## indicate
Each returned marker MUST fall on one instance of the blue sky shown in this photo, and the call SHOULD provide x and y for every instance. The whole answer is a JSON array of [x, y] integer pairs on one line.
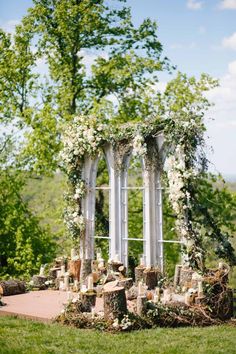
[[197, 36]]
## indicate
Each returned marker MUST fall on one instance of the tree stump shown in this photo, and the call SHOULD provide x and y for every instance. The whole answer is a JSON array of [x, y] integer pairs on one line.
[[74, 269], [88, 300], [127, 283], [115, 305], [141, 305], [53, 272], [114, 266], [12, 287], [86, 269], [39, 281], [150, 278], [139, 273]]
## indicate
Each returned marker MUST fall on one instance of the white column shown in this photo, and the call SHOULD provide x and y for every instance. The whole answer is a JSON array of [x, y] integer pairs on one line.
[[89, 174]]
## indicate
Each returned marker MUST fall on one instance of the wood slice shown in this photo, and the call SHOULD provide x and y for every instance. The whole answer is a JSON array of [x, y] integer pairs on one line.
[[150, 278], [86, 269], [74, 269], [12, 287], [127, 283], [141, 305], [139, 274], [115, 305]]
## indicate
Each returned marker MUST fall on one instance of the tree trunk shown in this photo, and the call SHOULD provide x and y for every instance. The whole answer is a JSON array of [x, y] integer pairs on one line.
[[139, 274], [12, 287], [115, 305], [86, 269], [74, 269], [150, 278]]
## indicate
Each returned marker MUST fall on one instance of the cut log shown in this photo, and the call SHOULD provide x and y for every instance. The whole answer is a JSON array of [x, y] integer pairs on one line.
[[127, 283], [74, 269], [141, 305], [39, 282], [86, 269], [114, 266], [88, 300], [139, 273], [12, 287], [122, 270], [150, 278], [115, 305]]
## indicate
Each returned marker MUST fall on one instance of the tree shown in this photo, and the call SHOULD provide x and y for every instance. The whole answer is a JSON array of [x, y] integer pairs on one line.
[[24, 244]]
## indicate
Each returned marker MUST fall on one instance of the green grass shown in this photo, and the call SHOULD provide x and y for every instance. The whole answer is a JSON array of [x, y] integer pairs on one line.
[[22, 336]]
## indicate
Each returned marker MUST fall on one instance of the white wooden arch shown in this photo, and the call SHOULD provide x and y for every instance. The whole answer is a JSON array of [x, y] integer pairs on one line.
[[118, 205]]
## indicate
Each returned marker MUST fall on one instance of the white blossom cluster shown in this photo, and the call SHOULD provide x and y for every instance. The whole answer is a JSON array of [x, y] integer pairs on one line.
[[139, 146]]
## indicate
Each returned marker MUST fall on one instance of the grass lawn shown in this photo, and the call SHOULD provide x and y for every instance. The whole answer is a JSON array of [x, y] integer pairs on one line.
[[25, 336]]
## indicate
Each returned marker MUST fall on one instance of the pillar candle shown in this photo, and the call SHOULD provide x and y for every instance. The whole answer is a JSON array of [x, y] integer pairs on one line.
[[63, 269], [90, 283], [93, 312], [142, 261], [41, 272], [66, 282], [69, 295], [200, 289], [140, 289], [61, 285], [116, 259], [158, 293], [83, 288], [76, 284]]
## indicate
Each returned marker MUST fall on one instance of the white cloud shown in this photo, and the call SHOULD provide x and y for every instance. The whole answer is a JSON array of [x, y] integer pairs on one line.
[[202, 30], [222, 130], [230, 42], [194, 4], [228, 5], [10, 25]]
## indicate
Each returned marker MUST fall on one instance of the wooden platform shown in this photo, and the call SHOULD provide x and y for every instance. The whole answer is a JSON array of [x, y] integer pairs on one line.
[[37, 305]]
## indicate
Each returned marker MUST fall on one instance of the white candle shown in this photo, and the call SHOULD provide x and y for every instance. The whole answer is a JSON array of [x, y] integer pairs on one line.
[[155, 298], [58, 273], [83, 288], [69, 295], [93, 312], [41, 272], [63, 269], [140, 289], [221, 265], [142, 261], [187, 298], [76, 284], [90, 283], [101, 263], [158, 293], [66, 282], [116, 259], [61, 285], [200, 289]]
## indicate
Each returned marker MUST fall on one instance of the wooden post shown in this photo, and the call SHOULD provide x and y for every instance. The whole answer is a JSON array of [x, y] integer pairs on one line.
[[115, 305], [141, 305], [74, 269], [150, 278], [12, 287]]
